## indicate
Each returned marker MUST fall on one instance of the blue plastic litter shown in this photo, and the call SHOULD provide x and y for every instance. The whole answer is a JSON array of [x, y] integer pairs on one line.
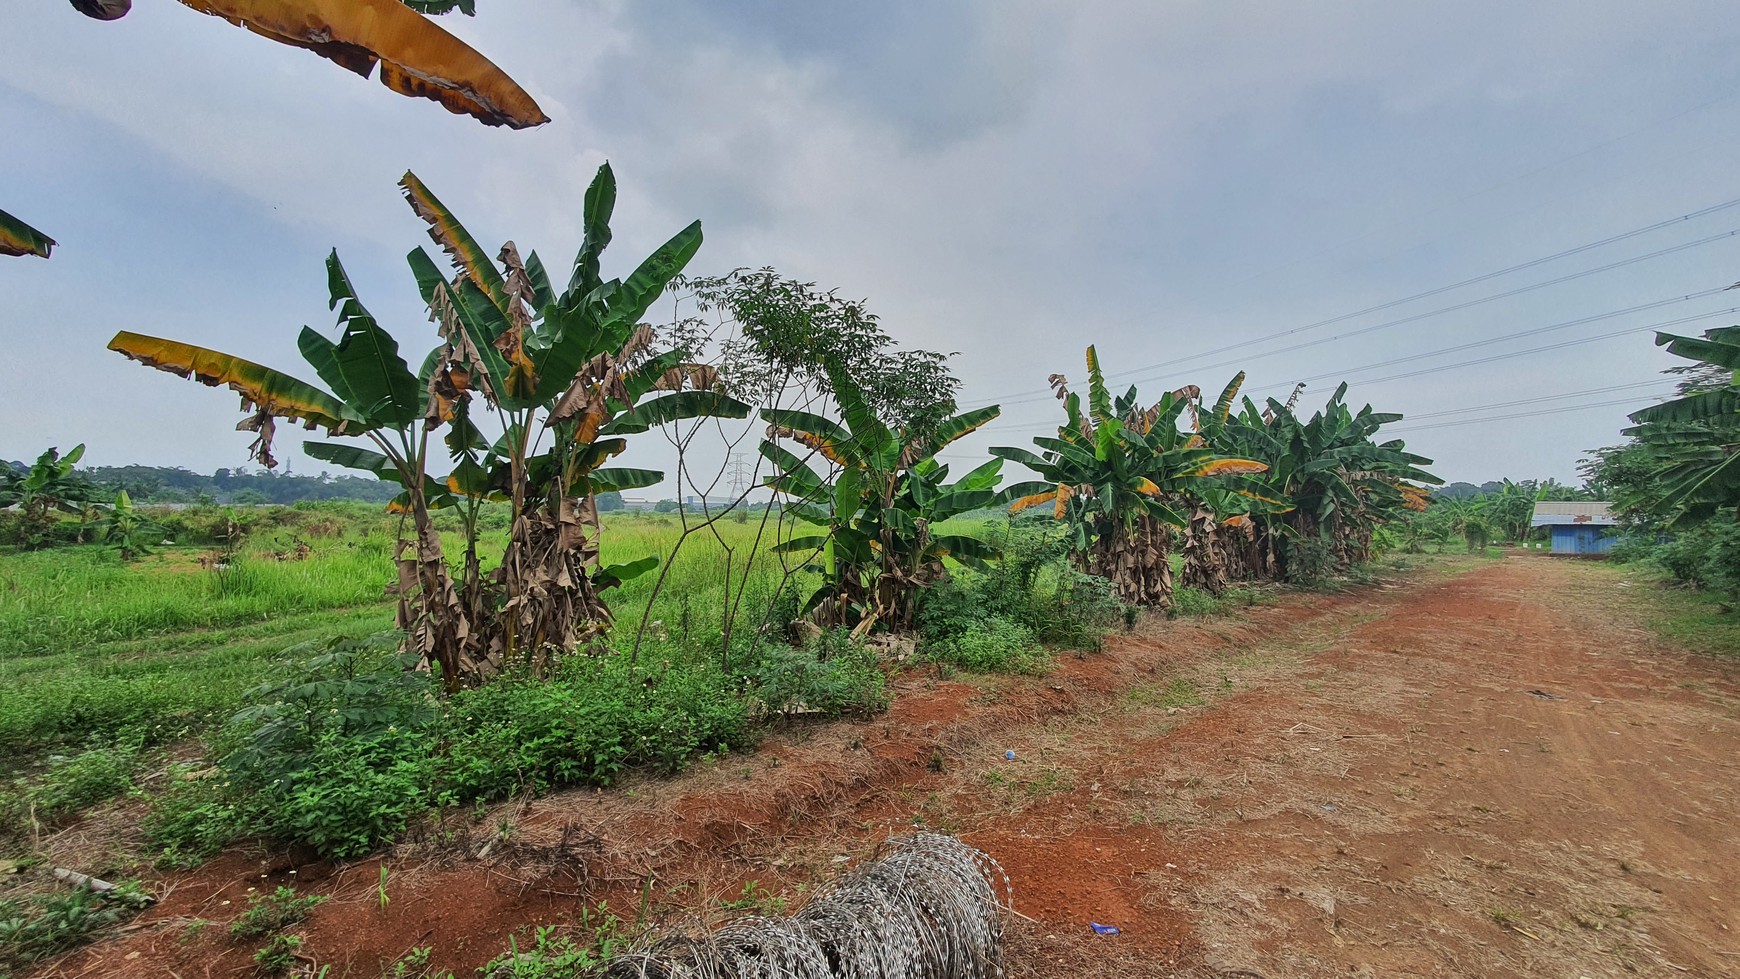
[[1010, 754], [1100, 929], [1328, 808]]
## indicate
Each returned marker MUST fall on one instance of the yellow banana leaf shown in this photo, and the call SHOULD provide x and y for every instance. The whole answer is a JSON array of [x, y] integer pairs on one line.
[[1061, 510], [468, 256], [271, 392], [18, 238], [1147, 487], [1034, 500], [416, 57], [822, 445], [1229, 467]]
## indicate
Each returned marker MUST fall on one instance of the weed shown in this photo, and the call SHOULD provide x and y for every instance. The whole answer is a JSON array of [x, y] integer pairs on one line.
[[1048, 782], [278, 956], [1190, 601], [830, 675], [757, 899], [34, 930], [556, 955], [268, 914], [415, 965]]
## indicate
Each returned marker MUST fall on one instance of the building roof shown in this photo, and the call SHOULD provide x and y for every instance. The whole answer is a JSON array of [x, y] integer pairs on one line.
[[1588, 514]]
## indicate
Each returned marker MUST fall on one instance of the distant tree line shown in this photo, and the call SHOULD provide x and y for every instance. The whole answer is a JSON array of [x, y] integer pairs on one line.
[[174, 484]]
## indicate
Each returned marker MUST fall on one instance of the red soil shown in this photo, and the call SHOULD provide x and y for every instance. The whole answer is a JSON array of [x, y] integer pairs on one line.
[[1334, 785]]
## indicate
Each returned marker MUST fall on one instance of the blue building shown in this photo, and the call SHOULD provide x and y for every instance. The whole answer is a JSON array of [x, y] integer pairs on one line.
[[1578, 528]]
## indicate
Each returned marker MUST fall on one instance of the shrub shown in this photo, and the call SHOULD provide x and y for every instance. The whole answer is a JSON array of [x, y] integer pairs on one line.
[[86, 779], [193, 819], [69, 786], [1684, 556], [594, 719], [990, 646], [356, 794], [830, 675], [1034, 587], [1310, 560]]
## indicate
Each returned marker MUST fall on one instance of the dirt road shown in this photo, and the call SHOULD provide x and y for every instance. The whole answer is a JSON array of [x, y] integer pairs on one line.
[[1476, 769]]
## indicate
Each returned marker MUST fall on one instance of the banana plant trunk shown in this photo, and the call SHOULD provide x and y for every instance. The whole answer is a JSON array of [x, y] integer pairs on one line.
[[552, 604], [429, 609], [1137, 560], [1239, 555], [1203, 564]]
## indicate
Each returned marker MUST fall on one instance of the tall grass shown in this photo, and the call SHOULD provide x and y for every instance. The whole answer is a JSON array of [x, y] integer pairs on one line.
[[91, 646], [74, 597]]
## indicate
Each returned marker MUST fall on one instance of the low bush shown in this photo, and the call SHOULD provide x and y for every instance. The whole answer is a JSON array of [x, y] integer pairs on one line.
[[593, 720], [831, 675], [1310, 560], [1032, 598], [70, 784], [990, 646]]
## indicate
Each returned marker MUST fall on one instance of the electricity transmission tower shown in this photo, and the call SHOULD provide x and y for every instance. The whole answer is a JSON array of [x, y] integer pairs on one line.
[[740, 473]]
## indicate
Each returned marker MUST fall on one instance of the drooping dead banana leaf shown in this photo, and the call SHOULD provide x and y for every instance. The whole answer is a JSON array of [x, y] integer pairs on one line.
[[269, 392], [416, 56], [18, 238]]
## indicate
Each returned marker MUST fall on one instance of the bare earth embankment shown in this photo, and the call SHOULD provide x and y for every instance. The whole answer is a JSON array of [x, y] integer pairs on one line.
[[1474, 769]]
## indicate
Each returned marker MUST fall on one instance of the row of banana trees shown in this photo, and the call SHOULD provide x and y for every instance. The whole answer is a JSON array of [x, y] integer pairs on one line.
[[530, 391], [1258, 494], [1252, 494]]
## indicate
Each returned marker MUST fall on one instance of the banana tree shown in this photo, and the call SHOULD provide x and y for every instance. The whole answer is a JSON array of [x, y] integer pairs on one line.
[[416, 57], [1693, 442], [1122, 476], [48, 487], [878, 507], [1339, 482], [18, 238], [568, 378]]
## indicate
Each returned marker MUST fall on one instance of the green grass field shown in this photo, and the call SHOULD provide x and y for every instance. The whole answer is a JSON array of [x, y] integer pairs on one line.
[[91, 646]]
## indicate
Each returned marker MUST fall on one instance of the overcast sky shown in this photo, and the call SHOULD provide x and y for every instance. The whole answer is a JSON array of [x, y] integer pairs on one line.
[[1003, 179]]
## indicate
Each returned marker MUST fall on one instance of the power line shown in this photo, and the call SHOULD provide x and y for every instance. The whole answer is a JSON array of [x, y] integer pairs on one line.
[[1038, 394], [1551, 346], [1655, 383], [1457, 307], [1466, 363], [1520, 334], [1403, 430]]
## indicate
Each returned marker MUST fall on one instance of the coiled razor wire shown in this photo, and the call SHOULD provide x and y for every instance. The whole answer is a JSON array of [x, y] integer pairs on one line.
[[926, 908]]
